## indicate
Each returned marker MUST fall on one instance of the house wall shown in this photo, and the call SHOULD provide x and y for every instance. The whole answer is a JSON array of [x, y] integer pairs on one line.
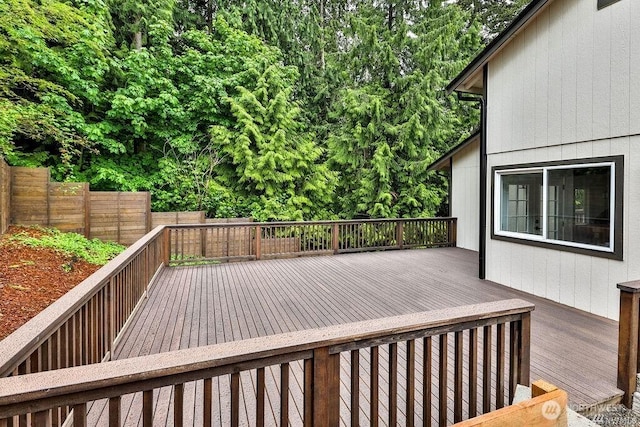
[[465, 195], [568, 87]]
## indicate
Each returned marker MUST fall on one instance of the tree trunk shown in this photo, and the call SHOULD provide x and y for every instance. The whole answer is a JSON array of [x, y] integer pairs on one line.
[[322, 43], [209, 17], [137, 40]]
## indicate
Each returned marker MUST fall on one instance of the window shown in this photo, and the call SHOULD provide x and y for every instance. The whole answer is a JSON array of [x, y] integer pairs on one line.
[[571, 206]]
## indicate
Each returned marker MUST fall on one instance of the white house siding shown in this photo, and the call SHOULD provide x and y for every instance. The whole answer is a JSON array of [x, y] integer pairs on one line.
[[568, 87], [465, 199]]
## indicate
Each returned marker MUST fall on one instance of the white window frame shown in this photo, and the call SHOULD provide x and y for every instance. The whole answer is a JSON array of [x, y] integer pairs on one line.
[[497, 200]]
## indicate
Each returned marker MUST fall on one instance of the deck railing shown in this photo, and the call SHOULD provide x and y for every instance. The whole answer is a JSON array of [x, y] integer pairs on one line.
[[397, 369], [234, 241], [629, 340], [84, 325]]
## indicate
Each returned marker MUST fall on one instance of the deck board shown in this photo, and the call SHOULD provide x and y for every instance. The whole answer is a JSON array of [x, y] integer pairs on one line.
[[196, 306]]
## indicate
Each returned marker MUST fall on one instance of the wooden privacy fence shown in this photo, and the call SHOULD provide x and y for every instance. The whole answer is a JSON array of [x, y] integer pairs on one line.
[[28, 197], [5, 195], [237, 241], [84, 325], [353, 351]]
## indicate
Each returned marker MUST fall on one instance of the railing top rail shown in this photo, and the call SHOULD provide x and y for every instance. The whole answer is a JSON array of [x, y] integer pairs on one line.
[[39, 328], [631, 287], [303, 223], [31, 389]]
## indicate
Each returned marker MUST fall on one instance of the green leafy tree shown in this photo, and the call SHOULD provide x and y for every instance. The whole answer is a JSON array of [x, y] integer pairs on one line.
[[268, 157], [53, 68]]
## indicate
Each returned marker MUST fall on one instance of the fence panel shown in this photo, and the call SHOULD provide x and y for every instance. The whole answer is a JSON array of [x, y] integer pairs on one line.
[[5, 196], [135, 216], [68, 206], [29, 196], [118, 216]]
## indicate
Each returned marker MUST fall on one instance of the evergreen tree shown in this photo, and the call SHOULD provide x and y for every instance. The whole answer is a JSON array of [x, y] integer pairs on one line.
[[268, 157], [396, 120], [495, 15]]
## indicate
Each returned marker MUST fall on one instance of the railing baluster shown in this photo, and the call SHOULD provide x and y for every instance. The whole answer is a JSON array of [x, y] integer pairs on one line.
[[147, 408], [42, 418], [393, 384], [514, 340], [442, 380], [207, 402], [114, 411], [260, 397], [80, 415], [426, 382], [473, 372], [524, 350], [308, 392], [500, 366], [486, 369], [178, 405], [411, 382], [457, 383], [355, 387], [284, 394], [375, 356], [235, 399]]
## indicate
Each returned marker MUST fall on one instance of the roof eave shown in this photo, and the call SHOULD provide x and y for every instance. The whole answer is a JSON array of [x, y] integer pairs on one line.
[[442, 161], [466, 79]]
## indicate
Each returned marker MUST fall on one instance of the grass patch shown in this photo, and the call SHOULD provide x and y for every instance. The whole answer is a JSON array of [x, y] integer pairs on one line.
[[94, 251]]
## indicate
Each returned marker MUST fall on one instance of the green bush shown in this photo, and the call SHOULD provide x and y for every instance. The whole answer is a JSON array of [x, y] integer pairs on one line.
[[93, 251]]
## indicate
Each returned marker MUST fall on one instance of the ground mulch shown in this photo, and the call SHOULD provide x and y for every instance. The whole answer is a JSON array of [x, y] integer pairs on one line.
[[32, 278]]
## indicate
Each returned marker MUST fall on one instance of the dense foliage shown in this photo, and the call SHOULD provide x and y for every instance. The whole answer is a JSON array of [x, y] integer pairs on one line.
[[291, 109], [76, 245]]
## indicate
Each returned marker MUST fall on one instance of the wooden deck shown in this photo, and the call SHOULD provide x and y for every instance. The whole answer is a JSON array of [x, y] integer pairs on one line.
[[196, 306]]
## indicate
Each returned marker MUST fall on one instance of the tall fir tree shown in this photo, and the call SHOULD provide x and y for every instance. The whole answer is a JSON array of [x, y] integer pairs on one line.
[[397, 119]]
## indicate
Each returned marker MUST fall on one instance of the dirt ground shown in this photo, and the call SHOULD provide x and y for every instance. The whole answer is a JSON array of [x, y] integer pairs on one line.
[[33, 278]]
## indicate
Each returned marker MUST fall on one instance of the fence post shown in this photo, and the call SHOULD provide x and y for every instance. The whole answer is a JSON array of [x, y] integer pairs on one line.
[[400, 234], [258, 242], [166, 246], [335, 238], [326, 388], [628, 362], [524, 349], [453, 232]]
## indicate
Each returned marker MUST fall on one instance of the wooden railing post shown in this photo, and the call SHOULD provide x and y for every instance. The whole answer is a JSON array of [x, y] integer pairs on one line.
[[166, 246], [628, 328], [326, 388], [258, 241], [453, 232], [335, 238], [400, 233], [524, 349]]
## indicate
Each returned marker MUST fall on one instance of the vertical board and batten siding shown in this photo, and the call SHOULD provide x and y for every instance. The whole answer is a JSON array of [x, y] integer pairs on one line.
[[465, 200], [572, 75], [568, 87], [29, 196], [5, 196]]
